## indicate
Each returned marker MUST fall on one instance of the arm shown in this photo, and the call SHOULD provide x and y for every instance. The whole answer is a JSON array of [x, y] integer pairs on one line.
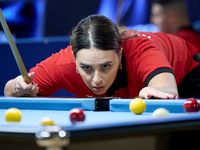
[[17, 87], [161, 86]]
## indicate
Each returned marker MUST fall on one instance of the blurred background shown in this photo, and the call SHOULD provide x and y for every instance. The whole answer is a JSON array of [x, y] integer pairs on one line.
[[42, 27]]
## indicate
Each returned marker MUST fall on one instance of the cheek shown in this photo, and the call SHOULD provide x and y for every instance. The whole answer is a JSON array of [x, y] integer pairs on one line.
[[165, 26], [112, 75], [159, 20], [160, 23], [156, 20], [87, 79]]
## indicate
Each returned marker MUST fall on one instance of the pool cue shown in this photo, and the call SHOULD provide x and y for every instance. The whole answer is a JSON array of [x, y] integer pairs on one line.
[[14, 49]]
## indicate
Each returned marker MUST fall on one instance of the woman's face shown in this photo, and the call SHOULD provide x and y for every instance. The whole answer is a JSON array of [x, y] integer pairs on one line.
[[98, 68]]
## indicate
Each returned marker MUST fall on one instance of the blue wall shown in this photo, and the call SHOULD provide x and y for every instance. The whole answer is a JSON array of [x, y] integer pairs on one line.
[[32, 52]]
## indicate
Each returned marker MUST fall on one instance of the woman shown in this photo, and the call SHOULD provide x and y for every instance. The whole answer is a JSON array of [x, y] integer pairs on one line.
[[106, 61]]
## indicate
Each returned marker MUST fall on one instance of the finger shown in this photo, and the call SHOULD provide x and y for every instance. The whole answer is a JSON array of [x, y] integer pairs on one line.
[[163, 95], [149, 96], [22, 88], [173, 96], [31, 75], [177, 97], [35, 89], [153, 93], [143, 93], [149, 92], [31, 88], [22, 84]]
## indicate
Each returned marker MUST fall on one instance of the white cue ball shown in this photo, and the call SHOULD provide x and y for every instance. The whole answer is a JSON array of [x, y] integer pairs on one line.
[[160, 112]]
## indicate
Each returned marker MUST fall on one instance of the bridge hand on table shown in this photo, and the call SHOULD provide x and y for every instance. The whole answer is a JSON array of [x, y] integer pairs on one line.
[[150, 92]]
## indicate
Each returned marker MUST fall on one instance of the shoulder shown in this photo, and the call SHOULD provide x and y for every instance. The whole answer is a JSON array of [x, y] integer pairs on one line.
[[63, 56], [145, 37], [186, 31], [189, 35], [143, 42], [57, 61]]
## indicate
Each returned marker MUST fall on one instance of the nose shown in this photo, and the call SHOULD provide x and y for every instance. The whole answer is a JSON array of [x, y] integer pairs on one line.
[[97, 78]]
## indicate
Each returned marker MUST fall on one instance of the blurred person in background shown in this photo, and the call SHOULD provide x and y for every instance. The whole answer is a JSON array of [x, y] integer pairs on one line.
[[171, 16]]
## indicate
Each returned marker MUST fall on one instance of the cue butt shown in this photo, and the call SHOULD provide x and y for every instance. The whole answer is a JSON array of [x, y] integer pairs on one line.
[[14, 49]]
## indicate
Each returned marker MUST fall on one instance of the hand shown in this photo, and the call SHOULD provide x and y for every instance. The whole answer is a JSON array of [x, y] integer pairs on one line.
[[24, 89], [149, 92]]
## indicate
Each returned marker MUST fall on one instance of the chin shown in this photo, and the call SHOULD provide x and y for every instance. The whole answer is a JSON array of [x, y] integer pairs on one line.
[[99, 93]]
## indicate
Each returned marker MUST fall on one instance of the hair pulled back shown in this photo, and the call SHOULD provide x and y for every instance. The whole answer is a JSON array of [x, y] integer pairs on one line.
[[96, 31]]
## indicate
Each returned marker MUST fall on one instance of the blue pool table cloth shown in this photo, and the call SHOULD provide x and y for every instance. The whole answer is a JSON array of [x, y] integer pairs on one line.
[[33, 109]]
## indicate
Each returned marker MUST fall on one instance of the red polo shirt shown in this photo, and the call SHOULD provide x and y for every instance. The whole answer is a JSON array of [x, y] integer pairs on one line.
[[143, 57], [189, 35]]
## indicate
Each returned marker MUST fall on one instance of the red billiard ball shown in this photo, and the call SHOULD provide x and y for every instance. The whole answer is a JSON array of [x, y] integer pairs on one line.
[[77, 115], [191, 105]]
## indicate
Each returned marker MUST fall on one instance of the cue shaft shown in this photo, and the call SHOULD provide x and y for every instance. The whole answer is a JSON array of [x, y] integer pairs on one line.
[[14, 49]]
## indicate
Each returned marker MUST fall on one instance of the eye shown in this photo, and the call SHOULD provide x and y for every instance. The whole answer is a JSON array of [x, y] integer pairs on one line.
[[86, 68], [106, 67]]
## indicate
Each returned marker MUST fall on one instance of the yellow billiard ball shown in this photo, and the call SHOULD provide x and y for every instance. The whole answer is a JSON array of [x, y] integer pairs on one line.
[[160, 112], [46, 121], [137, 106], [13, 115]]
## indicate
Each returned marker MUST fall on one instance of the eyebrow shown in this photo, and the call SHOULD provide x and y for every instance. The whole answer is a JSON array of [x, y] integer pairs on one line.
[[106, 63]]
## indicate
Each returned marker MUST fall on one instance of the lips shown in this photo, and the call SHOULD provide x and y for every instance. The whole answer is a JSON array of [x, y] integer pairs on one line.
[[98, 88]]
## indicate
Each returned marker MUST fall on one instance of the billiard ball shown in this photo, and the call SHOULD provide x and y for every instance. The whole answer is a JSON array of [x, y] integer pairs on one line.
[[47, 121], [13, 115], [137, 106], [77, 115], [191, 105], [160, 112]]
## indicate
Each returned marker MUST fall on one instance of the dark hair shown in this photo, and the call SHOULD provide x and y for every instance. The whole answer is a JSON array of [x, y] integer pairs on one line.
[[96, 31]]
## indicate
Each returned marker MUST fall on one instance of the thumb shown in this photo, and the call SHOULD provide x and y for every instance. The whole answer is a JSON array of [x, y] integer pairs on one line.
[[31, 75]]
